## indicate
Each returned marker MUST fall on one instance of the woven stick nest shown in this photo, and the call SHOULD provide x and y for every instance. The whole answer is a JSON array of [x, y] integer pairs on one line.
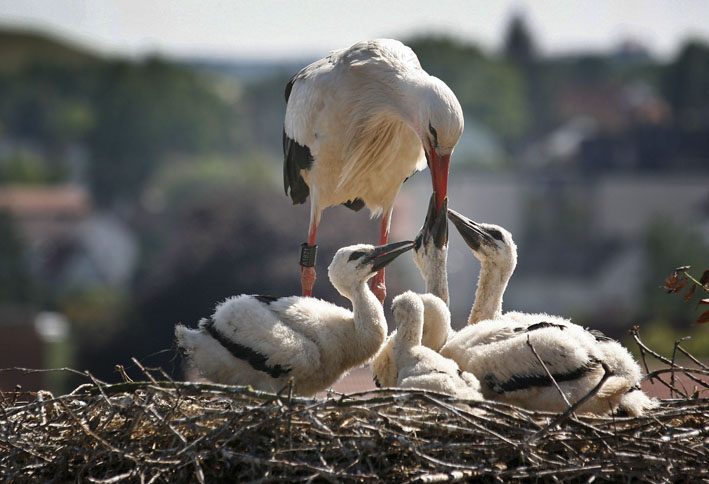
[[160, 430]]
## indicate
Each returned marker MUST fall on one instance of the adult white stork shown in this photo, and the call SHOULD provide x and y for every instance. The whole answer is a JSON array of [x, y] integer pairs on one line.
[[264, 341], [357, 124]]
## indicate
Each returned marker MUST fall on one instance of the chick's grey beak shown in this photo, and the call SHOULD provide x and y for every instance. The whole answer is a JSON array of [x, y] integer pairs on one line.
[[435, 226], [469, 230], [384, 254]]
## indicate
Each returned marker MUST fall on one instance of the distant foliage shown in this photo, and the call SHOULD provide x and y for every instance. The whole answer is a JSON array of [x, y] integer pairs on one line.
[[670, 243], [681, 278], [130, 118], [144, 114], [519, 46], [686, 84]]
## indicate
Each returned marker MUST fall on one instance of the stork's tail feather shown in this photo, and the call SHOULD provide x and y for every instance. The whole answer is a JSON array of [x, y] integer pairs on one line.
[[185, 338], [635, 402]]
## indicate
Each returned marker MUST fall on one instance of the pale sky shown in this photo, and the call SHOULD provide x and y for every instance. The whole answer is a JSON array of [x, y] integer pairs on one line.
[[290, 29]]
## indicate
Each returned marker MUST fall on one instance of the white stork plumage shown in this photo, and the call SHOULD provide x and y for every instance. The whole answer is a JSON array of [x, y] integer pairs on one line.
[[264, 341], [493, 246], [419, 366], [357, 124], [495, 347]]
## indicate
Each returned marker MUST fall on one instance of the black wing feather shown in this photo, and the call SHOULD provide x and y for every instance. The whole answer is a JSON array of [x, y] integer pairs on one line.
[[266, 299], [289, 87], [254, 358], [526, 381], [600, 336], [296, 157], [357, 204]]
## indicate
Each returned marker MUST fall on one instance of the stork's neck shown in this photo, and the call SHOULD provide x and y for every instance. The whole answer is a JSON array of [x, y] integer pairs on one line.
[[408, 335], [431, 263], [409, 97], [488, 296], [437, 324], [369, 321], [437, 281]]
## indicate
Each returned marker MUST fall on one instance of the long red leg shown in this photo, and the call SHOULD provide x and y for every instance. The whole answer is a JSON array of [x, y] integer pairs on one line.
[[307, 274], [308, 250], [377, 283]]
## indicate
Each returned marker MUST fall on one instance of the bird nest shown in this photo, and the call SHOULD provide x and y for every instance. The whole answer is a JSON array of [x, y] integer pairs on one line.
[[161, 430]]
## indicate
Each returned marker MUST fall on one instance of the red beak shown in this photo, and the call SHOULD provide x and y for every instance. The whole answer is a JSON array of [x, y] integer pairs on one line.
[[439, 166]]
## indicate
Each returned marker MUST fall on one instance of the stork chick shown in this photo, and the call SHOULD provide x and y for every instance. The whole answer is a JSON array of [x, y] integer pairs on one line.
[[357, 124], [497, 348], [430, 254], [493, 246], [421, 367], [264, 341]]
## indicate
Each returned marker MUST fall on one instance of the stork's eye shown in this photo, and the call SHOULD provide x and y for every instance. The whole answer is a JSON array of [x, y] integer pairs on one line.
[[434, 133], [356, 255], [495, 234]]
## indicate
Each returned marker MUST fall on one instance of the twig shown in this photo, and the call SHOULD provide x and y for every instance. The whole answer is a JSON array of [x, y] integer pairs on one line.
[[29, 371], [688, 355], [114, 479], [96, 437], [456, 475], [556, 385], [607, 374], [122, 371], [686, 371], [634, 333], [672, 364], [142, 368]]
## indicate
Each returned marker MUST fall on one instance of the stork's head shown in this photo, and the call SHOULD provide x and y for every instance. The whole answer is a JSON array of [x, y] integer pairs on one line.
[[431, 249], [490, 243], [434, 231], [441, 119], [355, 264], [408, 311]]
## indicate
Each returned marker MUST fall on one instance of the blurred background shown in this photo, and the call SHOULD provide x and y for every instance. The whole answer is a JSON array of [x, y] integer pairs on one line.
[[141, 164]]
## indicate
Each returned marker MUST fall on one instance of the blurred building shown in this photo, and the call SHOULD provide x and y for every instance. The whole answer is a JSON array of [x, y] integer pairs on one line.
[[68, 243], [20, 347]]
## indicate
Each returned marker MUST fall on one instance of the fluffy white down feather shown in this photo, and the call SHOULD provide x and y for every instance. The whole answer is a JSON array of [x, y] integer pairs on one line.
[[437, 325], [421, 367], [497, 352], [311, 341], [495, 348]]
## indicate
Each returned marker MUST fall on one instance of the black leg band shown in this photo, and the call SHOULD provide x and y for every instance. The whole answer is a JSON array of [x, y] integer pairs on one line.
[[308, 254]]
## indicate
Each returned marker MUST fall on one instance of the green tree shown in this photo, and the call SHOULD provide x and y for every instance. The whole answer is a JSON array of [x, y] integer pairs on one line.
[[144, 114], [686, 83], [518, 45]]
